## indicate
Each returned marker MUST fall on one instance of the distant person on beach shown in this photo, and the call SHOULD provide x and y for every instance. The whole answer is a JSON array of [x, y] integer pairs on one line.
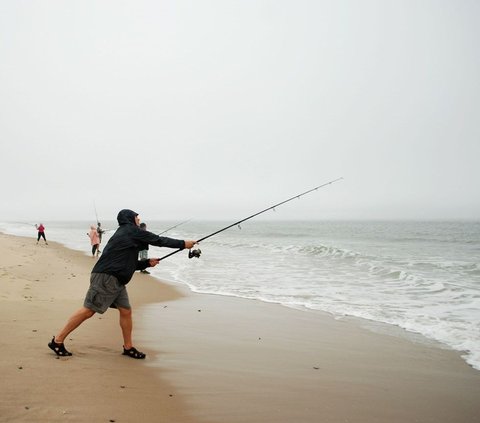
[[143, 254], [109, 278], [94, 240], [41, 233], [100, 232]]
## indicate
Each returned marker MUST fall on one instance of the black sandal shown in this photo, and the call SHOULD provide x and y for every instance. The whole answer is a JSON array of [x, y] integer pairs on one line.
[[59, 349], [134, 353]]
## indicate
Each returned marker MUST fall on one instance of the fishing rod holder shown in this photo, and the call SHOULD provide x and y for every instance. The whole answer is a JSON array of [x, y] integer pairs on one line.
[[194, 253]]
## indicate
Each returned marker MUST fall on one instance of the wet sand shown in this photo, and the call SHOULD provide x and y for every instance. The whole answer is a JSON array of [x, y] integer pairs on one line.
[[209, 358], [236, 361]]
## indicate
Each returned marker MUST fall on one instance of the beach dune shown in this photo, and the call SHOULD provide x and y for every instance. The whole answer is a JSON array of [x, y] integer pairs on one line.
[[209, 358]]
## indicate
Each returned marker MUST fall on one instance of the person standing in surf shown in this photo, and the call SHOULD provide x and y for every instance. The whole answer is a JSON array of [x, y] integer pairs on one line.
[[109, 278], [41, 233], [143, 254], [94, 240], [100, 232]]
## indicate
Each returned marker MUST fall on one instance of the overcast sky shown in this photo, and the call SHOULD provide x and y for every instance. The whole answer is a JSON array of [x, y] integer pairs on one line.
[[215, 109]]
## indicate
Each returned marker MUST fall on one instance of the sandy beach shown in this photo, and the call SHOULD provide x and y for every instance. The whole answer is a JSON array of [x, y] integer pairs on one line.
[[40, 287], [209, 358]]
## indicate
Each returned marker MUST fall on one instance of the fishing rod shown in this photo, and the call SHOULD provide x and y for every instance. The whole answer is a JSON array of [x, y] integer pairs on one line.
[[25, 223], [196, 253], [95, 208], [172, 227], [98, 222]]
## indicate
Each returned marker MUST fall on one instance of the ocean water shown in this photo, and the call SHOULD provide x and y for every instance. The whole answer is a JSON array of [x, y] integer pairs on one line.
[[423, 277]]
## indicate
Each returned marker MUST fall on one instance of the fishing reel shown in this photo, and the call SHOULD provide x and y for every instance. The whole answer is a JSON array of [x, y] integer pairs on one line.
[[194, 253]]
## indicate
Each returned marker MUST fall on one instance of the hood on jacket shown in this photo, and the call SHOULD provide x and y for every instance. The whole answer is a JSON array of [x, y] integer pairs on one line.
[[126, 217]]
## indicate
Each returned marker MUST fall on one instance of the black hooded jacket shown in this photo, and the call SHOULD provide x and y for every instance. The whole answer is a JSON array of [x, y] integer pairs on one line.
[[120, 256]]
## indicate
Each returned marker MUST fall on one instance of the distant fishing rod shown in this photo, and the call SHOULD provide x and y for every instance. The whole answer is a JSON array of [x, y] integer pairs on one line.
[[172, 227], [98, 222], [196, 253], [95, 208]]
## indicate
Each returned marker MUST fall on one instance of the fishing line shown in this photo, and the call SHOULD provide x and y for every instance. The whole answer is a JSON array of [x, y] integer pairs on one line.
[[197, 252], [172, 227]]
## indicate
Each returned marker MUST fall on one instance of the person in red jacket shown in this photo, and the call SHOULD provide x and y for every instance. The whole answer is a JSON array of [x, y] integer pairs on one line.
[[41, 233], [110, 275]]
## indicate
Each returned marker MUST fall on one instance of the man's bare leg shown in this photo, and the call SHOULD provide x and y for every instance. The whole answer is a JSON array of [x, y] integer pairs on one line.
[[127, 325], [74, 322]]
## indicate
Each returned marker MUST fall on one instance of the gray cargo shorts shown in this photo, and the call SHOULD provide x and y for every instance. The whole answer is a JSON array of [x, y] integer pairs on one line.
[[105, 291]]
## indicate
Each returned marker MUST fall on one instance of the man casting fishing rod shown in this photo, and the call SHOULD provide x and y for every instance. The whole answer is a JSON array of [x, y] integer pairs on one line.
[[118, 264], [111, 274]]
